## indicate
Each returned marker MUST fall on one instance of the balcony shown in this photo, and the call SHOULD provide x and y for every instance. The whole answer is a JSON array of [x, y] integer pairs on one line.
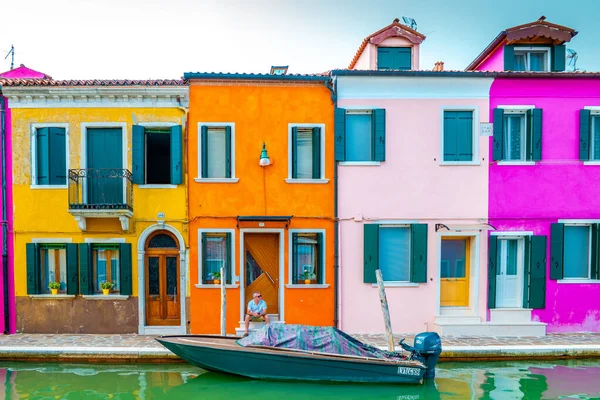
[[101, 193]]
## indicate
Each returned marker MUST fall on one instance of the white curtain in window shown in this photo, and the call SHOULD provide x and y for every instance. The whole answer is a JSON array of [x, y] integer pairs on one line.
[[101, 268], [305, 150], [114, 270], [537, 61], [520, 62], [216, 153], [394, 254]]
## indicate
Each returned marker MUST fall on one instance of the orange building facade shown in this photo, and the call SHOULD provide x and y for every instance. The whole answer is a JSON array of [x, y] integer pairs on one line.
[[261, 198]]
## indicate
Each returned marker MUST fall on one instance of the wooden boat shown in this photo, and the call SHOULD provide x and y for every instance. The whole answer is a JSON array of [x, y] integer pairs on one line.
[[223, 354]]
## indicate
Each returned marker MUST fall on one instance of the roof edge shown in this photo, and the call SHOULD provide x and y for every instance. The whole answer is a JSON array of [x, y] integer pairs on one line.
[[250, 76]]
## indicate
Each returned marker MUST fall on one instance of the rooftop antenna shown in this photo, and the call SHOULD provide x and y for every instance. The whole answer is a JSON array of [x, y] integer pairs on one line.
[[411, 23], [12, 60], [572, 58]]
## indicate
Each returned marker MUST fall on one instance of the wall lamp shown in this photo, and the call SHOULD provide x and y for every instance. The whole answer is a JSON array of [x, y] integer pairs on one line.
[[265, 161]]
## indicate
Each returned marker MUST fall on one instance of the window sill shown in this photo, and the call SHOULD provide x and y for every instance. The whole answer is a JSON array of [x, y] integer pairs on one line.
[[579, 281], [444, 163], [48, 187], [596, 162], [157, 186], [360, 163], [212, 286], [320, 181], [310, 286], [52, 296], [397, 284], [105, 297], [216, 180], [516, 163]]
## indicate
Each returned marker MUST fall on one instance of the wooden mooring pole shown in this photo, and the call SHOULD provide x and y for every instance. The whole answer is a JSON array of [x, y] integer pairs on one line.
[[223, 304], [385, 310]]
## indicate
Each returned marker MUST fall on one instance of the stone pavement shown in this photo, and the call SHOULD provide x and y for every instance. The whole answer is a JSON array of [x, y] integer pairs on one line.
[[143, 348]]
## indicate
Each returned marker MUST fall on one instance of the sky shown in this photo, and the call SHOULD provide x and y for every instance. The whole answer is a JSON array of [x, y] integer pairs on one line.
[[156, 39]]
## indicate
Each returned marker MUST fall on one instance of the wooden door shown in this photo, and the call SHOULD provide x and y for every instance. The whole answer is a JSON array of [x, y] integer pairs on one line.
[[455, 272], [163, 306], [261, 266]]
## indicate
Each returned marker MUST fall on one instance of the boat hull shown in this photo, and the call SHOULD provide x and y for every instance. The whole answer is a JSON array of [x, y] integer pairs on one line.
[[280, 364]]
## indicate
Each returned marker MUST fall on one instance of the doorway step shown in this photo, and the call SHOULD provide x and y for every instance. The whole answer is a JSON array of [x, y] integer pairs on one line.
[[503, 322], [254, 326]]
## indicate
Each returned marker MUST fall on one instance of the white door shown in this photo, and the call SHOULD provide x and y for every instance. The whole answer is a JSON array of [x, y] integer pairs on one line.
[[509, 278]]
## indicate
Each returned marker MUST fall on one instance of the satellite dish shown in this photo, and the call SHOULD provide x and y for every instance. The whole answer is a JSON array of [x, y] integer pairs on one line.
[[410, 22], [572, 58]]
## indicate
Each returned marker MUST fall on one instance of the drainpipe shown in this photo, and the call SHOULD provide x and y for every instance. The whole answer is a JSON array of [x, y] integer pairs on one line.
[[4, 219]]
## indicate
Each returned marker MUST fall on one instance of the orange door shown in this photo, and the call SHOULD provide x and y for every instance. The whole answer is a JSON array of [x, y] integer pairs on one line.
[[261, 266], [455, 271]]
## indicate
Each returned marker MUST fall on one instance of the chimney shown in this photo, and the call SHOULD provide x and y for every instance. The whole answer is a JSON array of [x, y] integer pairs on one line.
[[439, 66]]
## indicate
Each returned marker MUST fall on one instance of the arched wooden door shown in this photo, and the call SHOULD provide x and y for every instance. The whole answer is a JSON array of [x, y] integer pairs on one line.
[[163, 306]]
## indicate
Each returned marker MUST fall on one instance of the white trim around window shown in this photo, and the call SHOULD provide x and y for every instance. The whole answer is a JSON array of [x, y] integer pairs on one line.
[[124, 135], [475, 140], [234, 279], [521, 110], [156, 125], [199, 178], [322, 179], [291, 285], [33, 147]]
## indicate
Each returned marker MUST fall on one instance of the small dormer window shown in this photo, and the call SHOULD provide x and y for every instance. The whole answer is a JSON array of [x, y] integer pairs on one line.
[[532, 59], [394, 58]]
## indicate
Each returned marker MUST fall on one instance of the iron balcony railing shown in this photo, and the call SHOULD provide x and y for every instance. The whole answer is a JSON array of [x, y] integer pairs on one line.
[[100, 189]]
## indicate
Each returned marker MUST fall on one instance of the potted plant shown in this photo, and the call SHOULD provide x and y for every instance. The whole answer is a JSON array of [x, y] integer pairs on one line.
[[308, 277], [106, 286], [216, 277], [54, 286]]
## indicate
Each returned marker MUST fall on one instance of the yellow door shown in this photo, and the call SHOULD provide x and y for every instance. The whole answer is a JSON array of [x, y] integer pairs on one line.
[[454, 271]]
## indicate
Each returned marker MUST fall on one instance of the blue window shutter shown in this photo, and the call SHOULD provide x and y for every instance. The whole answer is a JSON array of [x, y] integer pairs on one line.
[[394, 58], [138, 151], [294, 278], [595, 270], [509, 58], [385, 58], [450, 136], [294, 152], [320, 259], [536, 132], [176, 155], [418, 253], [379, 134], [204, 151], [498, 134], [205, 271], [585, 130], [492, 270], [33, 268], [558, 57], [340, 134], [86, 275], [557, 240], [371, 252], [42, 144], [526, 271], [465, 136], [316, 156], [72, 269], [57, 156], [228, 268], [228, 151], [537, 273], [125, 268], [403, 58]]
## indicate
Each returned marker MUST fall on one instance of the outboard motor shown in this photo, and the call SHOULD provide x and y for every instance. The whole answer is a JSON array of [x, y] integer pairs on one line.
[[428, 347]]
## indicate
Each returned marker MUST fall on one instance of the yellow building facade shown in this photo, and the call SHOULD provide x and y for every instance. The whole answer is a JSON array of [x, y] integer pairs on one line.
[[100, 196]]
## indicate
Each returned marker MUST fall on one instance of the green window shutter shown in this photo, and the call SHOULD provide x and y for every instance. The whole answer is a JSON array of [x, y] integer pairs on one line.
[[536, 134], [537, 273], [294, 152], [33, 268], [204, 266], [458, 136], [379, 134], [371, 252], [526, 271], [585, 130], [228, 151], [72, 269], [498, 148], [595, 251], [558, 57], [316, 156], [450, 136], [86, 275], [418, 253], [58, 161], [509, 58], [385, 58], [138, 151], [340, 134], [320, 258], [42, 144], [492, 270], [125, 268], [204, 150], [294, 258], [176, 155], [228, 268], [557, 239]]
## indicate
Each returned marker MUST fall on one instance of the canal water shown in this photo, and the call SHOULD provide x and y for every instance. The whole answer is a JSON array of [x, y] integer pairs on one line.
[[578, 379]]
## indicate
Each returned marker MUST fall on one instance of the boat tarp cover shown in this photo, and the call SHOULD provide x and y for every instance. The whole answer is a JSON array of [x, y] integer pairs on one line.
[[314, 338]]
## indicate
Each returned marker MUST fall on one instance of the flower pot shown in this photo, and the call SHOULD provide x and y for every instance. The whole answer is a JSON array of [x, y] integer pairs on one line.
[[307, 281], [106, 291], [54, 291], [216, 281]]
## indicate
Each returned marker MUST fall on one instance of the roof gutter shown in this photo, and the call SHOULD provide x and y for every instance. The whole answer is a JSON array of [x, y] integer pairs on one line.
[[258, 77], [411, 73]]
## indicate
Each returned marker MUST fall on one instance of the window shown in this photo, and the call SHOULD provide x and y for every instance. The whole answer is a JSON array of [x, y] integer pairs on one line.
[[394, 58], [216, 253], [51, 262], [360, 135], [157, 155], [589, 135], [105, 259], [575, 253], [458, 136], [215, 148], [307, 258], [531, 59], [517, 134], [306, 153], [399, 251], [49, 147]]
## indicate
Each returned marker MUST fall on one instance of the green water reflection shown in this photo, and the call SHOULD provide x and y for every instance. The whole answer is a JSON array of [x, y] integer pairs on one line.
[[502, 380]]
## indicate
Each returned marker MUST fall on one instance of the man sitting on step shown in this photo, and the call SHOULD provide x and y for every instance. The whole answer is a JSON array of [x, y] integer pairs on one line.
[[257, 308]]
